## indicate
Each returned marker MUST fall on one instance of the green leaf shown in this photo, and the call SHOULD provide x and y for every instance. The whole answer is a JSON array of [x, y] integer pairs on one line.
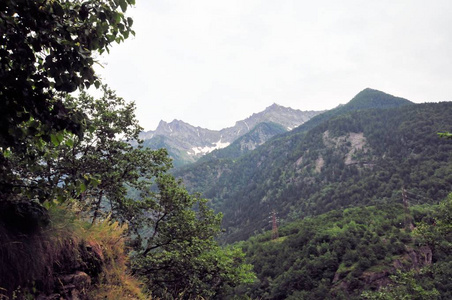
[[7, 153], [82, 187], [123, 5], [40, 144], [117, 17], [94, 182], [54, 140], [69, 142]]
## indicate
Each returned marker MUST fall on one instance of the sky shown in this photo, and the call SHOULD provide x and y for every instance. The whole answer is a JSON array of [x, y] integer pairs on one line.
[[211, 63]]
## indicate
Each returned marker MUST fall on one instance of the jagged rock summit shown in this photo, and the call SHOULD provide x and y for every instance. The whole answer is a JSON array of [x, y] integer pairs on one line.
[[187, 143]]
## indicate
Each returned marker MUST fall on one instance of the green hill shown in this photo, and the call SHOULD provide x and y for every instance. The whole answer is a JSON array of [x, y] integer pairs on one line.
[[356, 253], [366, 99], [357, 155], [360, 158]]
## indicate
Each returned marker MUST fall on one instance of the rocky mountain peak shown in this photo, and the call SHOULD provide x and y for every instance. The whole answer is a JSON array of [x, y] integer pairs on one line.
[[285, 116], [274, 106], [188, 142]]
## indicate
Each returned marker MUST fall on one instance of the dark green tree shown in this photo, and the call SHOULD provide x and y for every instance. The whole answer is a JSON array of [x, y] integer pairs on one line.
[[172, 232], [47, 49], [180, 257]]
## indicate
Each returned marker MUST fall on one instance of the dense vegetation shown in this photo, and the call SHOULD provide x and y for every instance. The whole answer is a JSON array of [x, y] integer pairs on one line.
[[84, 214], [371, 252], [358, 158], [59, 152]]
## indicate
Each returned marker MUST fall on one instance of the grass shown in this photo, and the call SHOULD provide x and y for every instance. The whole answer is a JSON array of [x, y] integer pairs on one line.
[[30, 262]]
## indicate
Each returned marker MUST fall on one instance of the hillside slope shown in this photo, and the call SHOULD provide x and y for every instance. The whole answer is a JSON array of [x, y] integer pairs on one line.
[[361, 158], [206, 172], [356, 253], [356, 158]]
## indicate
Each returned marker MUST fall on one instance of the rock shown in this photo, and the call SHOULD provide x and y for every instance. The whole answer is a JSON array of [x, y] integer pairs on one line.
[[336, 278], [378, 279], [78, 280]]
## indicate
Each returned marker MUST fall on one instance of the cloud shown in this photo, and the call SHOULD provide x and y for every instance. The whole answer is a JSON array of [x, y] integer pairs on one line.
[[211, 63]]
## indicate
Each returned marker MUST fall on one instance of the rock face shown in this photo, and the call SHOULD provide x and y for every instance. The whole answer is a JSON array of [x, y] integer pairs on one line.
[[186, 143]]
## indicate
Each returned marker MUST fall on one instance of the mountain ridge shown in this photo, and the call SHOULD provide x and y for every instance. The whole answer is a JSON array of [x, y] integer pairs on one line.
[[187, 143], [286, 170]]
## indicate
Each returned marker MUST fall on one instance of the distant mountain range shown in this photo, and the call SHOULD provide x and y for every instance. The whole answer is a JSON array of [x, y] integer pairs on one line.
[[326, 210], [359, 153], [186, 143]]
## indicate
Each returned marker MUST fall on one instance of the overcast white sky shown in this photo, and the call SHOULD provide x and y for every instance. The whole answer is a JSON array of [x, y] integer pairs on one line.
[[211, 63]]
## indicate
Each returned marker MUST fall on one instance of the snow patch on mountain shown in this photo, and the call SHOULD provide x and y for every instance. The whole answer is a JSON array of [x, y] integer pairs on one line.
[[186, 143], [207, 149]]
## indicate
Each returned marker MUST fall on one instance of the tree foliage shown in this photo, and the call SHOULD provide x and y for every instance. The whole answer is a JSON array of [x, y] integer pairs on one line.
[[180, 256], [310, 172], [47, 49], [85, 151], [405, 286], [340, 254], [172, 232], [93, 169]]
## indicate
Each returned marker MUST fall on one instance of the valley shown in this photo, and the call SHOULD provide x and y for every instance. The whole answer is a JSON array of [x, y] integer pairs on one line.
[[358, 158], [353, 202]]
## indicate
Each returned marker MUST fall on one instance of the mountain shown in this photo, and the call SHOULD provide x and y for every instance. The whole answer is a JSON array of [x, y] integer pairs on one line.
[[214, 167], [366, 99], [257, 136], [186, 143], [356, 155]]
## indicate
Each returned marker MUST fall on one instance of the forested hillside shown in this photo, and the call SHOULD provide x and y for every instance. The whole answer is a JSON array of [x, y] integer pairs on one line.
[[368, 98], [207, 170], [362, 158], [356, 158], [373, 252]]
